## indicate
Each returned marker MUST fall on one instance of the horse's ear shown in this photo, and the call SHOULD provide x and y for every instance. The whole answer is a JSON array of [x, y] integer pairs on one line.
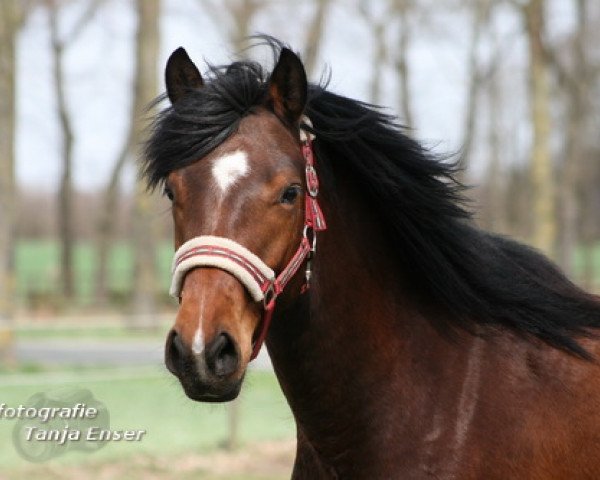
[[181, 75], [288, 87]]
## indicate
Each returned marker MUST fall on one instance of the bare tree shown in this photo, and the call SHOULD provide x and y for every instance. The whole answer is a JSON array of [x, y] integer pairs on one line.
[[145, 89], [395, 13], [9, 25], [65, 214], [588, 177], [235, 18], [541, 175], [477, 75], [577, 82], [107, 218], [314, 36], [377, 23], [59, 45], [401, 9], [12, 16], [495, 212]]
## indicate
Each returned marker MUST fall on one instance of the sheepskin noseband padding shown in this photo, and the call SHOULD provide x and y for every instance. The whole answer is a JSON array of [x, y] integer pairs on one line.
[[225, 254]]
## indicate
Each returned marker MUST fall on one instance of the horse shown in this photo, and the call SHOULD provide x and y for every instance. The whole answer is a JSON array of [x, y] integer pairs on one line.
[[408, 342]]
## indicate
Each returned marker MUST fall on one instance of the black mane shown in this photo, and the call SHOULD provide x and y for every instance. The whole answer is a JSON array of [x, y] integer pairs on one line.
[[477, 277]]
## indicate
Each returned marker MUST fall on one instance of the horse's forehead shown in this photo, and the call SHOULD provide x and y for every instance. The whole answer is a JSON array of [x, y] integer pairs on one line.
[[256, 144], [260, 146], [264, 132]]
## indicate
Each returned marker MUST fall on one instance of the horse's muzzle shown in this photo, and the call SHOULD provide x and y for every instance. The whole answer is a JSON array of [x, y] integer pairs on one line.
[[208, 376]]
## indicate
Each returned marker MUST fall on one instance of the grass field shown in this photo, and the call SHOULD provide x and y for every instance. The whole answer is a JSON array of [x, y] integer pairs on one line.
[[37, 265], [150, 400]]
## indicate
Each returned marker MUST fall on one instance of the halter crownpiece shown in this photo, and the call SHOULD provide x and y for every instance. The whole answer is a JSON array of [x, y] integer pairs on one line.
[[257, 277]]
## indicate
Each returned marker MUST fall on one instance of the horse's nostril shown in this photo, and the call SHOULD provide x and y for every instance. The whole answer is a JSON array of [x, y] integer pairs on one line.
[[173, 352], [221, 356]]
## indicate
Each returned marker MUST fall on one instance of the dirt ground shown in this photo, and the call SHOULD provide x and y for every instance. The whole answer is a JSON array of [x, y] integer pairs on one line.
[[263, 461]]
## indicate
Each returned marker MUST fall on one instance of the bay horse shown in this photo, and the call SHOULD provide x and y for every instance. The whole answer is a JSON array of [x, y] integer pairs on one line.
[[409, 344]]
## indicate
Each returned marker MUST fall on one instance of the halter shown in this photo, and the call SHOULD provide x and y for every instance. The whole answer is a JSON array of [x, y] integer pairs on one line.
[[258, 278]]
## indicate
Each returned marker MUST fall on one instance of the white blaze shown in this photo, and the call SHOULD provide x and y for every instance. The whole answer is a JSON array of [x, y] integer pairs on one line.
[[228, 168], [198, 344]]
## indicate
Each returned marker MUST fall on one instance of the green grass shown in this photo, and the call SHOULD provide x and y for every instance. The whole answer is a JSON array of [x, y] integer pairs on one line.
[[38, 269], [156, 403]]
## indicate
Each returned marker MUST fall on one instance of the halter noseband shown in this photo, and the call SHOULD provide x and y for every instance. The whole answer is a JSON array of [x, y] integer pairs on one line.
[[258, 278]]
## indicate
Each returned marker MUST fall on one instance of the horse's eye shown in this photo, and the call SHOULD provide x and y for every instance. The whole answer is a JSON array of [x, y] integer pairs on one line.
[[169, 193], [290, 194]]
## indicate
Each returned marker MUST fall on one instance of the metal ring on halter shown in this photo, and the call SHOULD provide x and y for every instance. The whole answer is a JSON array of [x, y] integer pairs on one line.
[[313, 237], [270, 296]]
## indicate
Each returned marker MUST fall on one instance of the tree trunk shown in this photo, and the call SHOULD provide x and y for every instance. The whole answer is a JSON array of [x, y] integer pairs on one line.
[[242, 12], [401, 8], [144, 234], [234, 18], [541, 177], [107, 217], [496, 209], [10, 20], [314, 36], [233, 425], [578, 88], [480, 15], [65, 216], [106, 223], [377, 25], [8, 32]]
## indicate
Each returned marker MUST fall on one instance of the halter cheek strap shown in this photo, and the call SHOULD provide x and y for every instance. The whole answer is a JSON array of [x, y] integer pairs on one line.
[[257, 277]]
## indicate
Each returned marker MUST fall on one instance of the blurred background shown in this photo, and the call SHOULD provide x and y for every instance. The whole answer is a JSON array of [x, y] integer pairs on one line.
[[509, 87]]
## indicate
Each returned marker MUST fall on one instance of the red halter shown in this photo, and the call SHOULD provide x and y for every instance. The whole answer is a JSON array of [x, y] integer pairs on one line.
[[250, 270], [314, 222]]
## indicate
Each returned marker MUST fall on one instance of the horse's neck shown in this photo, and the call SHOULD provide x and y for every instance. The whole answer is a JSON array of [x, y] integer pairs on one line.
[[372, 384], [352, 360]]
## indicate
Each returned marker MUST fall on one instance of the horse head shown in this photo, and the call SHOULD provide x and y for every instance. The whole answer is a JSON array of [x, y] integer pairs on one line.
[[240, 209]]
